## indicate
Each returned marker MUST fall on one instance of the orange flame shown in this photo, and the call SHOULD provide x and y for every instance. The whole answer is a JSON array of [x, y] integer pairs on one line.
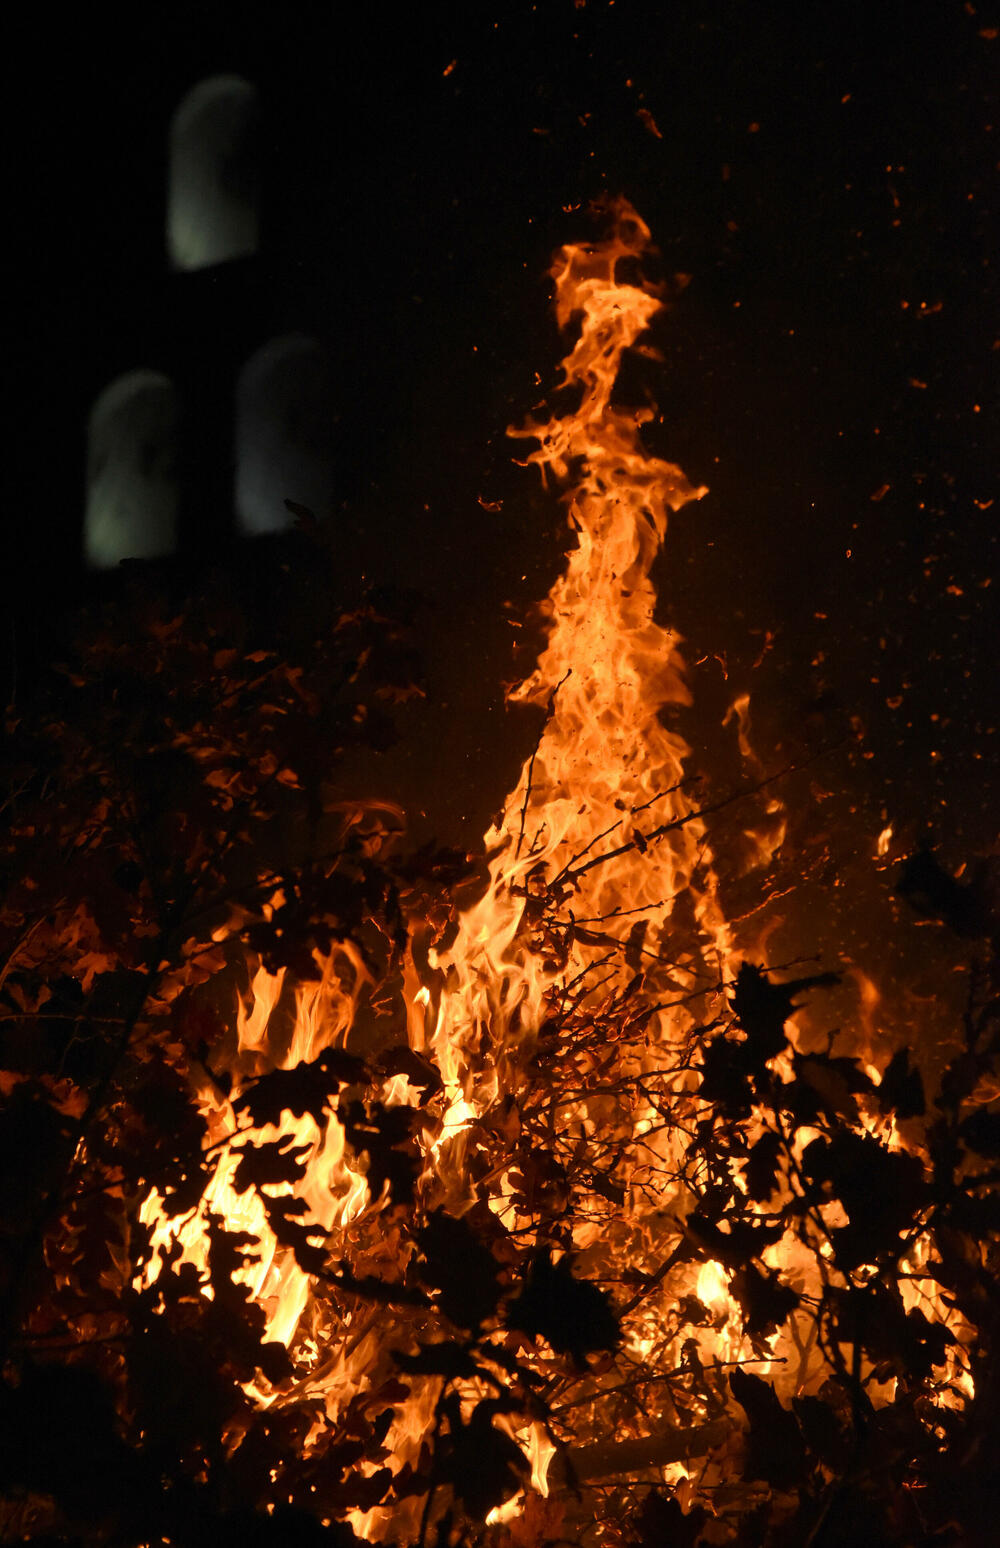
[[604, 786], [595, 846]]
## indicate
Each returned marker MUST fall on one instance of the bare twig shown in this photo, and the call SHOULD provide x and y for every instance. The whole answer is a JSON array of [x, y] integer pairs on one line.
[[571, 873]]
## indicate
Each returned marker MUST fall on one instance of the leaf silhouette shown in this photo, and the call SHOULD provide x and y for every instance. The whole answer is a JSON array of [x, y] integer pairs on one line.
[[386, 1136], [661, 1522], [762, 1008], [905, 1342], [980, 1130], [457, 1264], [775, 1451], [744, 1239], [61, 1437], [902, 1088], [881, 1190], [822, 1431], [764, 1300], [834, 1082], [761, 1170], [572, 1315], [269, 1161], [725, 1076], [933, 892], [286, 1527], [284, 1216], [306, 1088], [419, 1071], [482, 1464]]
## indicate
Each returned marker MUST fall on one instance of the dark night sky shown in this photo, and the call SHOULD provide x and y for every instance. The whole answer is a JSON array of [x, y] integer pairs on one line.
[[825, 173], [827, 178]]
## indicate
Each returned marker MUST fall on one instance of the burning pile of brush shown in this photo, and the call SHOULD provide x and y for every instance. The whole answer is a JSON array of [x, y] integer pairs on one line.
[[540, 1220]]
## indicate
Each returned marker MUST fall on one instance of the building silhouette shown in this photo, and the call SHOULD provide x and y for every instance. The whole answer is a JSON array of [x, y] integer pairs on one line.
[[208, 402], [180, 321]]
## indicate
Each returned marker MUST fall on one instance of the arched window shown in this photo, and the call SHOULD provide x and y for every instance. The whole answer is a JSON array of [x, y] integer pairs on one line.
[[131, 510], [284, 431], [212, 192]]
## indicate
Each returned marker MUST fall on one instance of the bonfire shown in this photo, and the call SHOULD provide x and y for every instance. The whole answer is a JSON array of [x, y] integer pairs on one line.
[[553, 1216]]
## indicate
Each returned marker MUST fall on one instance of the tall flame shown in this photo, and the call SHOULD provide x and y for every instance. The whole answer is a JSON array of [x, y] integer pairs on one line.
[[599, 818]]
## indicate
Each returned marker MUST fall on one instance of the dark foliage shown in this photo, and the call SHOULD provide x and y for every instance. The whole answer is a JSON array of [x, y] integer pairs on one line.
[[573, 1316]]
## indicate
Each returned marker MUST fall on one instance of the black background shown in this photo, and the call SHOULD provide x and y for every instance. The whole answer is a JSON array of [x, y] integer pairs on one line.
[[826, 174]]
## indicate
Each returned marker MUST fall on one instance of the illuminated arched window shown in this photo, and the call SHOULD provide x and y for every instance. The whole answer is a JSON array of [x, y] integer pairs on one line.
[[284, 428], [131, 510], [212, 193]]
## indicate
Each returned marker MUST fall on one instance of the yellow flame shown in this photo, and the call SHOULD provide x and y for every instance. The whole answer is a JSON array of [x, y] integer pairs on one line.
[[712, 1288]]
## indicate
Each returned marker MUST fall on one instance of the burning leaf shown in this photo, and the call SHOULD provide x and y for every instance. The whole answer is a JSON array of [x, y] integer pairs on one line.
[[649, 122], [542, 1520]]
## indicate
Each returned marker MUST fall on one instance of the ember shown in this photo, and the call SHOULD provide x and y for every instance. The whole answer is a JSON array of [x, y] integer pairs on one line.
[[551, 1217]]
